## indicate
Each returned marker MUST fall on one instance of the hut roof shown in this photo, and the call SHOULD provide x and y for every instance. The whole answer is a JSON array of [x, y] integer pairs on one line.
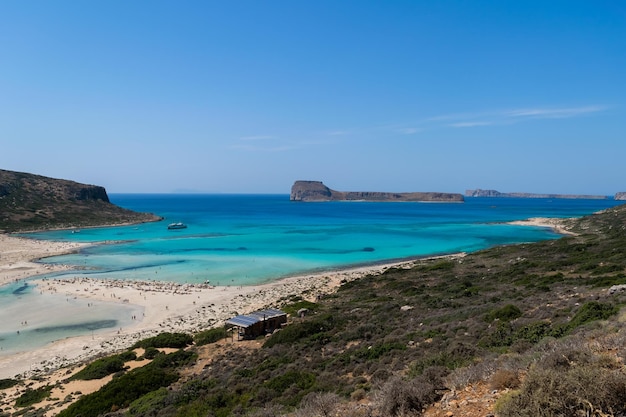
[[248, 320]]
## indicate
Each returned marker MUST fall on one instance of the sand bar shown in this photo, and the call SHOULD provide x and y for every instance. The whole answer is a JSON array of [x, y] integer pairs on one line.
[[18, 257], [559, 225]]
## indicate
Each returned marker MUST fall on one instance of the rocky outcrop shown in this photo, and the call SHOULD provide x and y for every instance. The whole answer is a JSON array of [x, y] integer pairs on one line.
[[620, 196], [310, 191], [33, 202], [317, 191], [493, 193]]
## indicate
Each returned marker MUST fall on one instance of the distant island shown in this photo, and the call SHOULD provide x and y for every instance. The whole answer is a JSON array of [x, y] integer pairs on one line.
[[493, 193], [31, 202], [317, 191], [620, 196]]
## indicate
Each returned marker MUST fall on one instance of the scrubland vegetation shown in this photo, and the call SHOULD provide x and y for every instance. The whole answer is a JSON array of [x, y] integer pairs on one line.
[[534, 321]]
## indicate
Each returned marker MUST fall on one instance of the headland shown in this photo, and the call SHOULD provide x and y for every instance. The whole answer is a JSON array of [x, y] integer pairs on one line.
[[497, 194], [317, 191], [31, 202]]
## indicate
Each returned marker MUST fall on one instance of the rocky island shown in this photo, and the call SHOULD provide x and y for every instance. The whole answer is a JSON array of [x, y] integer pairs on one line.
[[317, 191], [33, 202], [493, 193]]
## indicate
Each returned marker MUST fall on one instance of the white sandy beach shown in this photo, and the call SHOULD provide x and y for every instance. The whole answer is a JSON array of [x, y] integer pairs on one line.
[[165, 306], [18, 256], [556, 224]]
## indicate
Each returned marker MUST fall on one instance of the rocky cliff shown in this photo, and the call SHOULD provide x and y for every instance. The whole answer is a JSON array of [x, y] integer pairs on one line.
[[317, 191], [620, 196], [33, 202], [493, 193]]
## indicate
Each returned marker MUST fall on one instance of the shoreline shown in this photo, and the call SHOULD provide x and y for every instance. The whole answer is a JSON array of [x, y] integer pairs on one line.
[[165, 306]]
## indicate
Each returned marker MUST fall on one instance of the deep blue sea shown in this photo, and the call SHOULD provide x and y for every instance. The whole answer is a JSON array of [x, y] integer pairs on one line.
[[248, 239]]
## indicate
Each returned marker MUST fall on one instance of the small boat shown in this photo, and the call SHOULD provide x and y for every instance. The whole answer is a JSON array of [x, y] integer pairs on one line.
[[177, 226]]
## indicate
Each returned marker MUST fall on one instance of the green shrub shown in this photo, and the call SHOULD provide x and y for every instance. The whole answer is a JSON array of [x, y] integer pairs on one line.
[[296, 332], [127, 356], [440, 359], [151, 401], [33, 396], [122, 391], [444, 265], [100, 368], [501, 335], [209, 336], [302, 380], [8, 383], [166, 340], [174, 359], [371, 353], [412, 291], [292, 308], [151, 352], [291, 386], [507, 313], [592, 311], [505, 335], [533, 332]]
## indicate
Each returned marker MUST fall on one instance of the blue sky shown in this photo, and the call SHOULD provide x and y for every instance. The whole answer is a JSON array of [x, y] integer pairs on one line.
[[249, 96]]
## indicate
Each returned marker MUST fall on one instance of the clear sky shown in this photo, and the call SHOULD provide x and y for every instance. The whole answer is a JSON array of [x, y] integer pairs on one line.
[[248, 96]]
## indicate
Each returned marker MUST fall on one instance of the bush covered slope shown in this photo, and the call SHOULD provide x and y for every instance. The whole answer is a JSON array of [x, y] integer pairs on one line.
[[33, 202]]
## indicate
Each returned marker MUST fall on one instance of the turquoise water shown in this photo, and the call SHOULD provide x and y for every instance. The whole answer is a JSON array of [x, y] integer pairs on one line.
[[248, 239]]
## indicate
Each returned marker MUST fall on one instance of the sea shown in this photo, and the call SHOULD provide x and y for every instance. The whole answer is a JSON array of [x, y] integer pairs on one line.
[[251, 239]]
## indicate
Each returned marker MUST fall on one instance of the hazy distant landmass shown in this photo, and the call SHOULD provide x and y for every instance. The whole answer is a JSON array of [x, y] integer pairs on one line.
[[33, 202], [620, 196], [493, 193], [317, 191]]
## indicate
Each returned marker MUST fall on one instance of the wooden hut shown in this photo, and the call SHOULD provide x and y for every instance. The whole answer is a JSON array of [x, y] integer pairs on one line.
[[259, 323]]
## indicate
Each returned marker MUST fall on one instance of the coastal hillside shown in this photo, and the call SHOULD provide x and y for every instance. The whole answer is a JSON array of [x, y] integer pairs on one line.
[[317, 191], [33, 202], [511, 331], [494, 193]]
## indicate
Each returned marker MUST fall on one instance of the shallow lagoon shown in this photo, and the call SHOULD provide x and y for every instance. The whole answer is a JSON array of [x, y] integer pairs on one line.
[[29, 319]]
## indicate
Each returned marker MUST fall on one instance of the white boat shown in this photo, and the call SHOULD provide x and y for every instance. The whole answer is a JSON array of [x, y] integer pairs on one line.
[[177, 226]]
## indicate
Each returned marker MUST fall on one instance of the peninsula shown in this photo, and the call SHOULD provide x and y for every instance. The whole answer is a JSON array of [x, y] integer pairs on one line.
[[33, 202], [493, 193], [317, 191]]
